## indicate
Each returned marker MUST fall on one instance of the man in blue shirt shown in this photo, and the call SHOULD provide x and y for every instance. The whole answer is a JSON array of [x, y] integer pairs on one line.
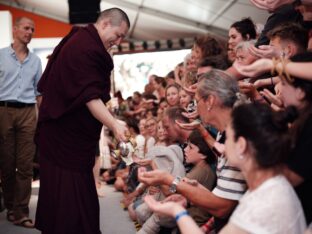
[[20, 71]]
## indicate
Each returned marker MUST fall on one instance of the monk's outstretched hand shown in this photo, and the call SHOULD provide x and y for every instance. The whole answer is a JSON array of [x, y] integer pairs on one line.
[[120, 131]]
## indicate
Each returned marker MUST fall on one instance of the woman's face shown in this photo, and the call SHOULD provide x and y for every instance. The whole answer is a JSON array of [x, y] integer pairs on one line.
[[234, 38], [142, 126], [192, 154], [185, 98], [154, 84], [151, 127], [172, 96], [289, 94], [196, 55], [231, 54], [162, 134], [204, 109]]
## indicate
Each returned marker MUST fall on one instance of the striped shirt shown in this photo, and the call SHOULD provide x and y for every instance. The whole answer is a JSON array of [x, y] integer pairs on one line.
[[230, 181]]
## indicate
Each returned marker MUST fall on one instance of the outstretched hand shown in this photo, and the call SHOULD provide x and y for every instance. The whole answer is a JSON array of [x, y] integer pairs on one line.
[[155, 177], [188, 126], [255, 69], [144, 162], [249, 90], [163, 208], [191, 89], [191, 115], [270, 5], [178, 198], [273, 99], [264, 51], [121, 131]]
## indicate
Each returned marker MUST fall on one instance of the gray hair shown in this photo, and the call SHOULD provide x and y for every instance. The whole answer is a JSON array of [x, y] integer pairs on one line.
[[220, 84], [116, 16], [244, 45]]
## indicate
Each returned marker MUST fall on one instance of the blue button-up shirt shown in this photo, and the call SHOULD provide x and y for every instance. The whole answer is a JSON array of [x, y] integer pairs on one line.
[[18, 81]]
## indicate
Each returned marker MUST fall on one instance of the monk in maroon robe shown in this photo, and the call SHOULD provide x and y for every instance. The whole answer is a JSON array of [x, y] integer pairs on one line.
[[75, 86]]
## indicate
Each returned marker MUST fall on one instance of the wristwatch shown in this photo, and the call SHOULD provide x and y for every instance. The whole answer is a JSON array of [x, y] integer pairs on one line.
[[173, 186]]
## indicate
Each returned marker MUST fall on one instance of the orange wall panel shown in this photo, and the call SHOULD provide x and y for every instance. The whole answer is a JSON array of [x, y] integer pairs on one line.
[[44, 27]]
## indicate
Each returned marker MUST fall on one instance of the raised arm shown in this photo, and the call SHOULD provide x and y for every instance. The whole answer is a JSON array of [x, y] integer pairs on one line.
[[198, 195]]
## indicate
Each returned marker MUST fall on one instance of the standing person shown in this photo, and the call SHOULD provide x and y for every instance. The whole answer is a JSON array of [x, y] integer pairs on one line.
[[20, 71], [75, 86]]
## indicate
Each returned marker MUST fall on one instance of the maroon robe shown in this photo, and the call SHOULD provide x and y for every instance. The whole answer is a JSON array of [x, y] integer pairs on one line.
[[67, 133]]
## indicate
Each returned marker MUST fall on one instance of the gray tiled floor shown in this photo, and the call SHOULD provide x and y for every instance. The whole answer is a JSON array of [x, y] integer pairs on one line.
[[113, 219]]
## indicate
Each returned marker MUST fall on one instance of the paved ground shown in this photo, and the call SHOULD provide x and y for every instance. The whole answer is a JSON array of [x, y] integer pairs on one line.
[[114, 220]]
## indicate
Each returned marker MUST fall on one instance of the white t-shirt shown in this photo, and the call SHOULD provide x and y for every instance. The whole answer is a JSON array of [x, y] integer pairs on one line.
[[139, 149], [271, 208]]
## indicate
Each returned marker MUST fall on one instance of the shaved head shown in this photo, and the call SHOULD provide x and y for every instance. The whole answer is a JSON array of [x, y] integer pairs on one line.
[[115, 15]]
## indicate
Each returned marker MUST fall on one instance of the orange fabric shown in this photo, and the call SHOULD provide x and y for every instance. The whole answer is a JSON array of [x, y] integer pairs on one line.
[[44, 27]]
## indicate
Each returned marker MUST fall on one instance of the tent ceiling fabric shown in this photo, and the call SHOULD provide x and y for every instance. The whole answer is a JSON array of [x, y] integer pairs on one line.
[[161, 19]]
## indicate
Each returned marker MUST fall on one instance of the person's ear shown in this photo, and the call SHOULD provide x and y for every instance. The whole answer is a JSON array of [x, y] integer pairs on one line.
[[247, 37], [289, 50], [202, 156], [210, 102], [241, 145], [105, 23], [299, 94]]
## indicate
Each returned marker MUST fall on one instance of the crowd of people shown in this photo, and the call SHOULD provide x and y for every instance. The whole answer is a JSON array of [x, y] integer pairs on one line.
[[220, 144], [235, 118]]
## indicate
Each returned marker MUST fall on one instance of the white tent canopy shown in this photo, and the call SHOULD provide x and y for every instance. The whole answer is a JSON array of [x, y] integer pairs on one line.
[[161, 19]]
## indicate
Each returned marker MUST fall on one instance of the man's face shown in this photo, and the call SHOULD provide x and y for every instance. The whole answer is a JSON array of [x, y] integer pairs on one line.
[[24, 30], [113, 35], [279, 47]]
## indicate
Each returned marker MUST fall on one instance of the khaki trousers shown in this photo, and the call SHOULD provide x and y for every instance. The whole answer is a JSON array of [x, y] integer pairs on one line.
[[17, 150]]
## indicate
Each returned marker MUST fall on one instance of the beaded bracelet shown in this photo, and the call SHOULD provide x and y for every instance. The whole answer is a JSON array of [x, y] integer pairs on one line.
[[180, 215], [275, 62], [284, 63]]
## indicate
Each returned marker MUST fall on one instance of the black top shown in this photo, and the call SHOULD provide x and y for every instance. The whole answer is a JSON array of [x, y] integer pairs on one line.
[[301, 163], [285, 13]]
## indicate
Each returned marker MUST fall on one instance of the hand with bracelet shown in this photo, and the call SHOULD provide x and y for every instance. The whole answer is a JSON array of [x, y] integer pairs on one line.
[[184, 221], [169, 208]]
